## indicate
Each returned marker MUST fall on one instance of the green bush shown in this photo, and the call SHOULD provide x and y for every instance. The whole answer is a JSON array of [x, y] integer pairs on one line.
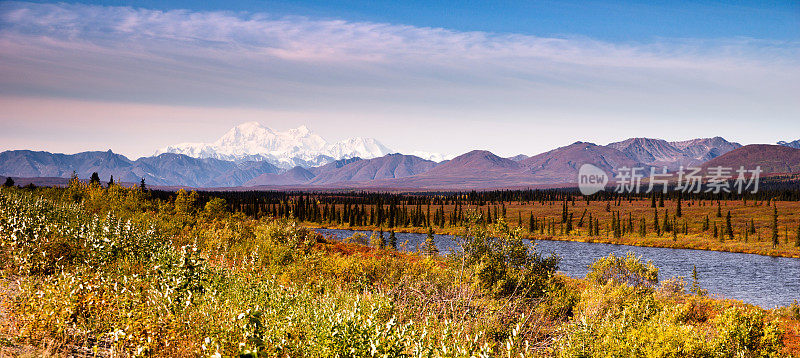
[[623, 270], [501, 263]]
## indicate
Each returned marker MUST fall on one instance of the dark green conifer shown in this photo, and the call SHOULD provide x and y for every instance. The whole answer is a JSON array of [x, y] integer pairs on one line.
[[430, 244], [392, 240], [94, 179], [728, 226], [775, 227]]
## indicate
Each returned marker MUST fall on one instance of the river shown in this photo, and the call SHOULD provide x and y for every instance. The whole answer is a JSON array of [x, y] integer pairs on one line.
[[760, 280]]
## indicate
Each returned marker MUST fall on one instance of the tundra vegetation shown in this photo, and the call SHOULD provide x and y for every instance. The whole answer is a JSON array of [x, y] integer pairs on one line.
[[115, 271]]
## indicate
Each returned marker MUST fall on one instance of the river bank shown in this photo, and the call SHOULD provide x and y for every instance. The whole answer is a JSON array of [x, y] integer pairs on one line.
[[680, 241]]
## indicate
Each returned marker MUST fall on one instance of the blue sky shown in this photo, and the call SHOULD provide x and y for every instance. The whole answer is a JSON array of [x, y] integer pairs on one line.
[[631, 20], [511, 77]]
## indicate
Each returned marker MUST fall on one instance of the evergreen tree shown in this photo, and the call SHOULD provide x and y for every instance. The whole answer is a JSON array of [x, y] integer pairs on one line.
[[9, 182], [775, 227], [661, 201], [728, 226], [531, 223], [596, 227], [643, 228], [706, 224], [430, 244], [696, 289], [94, 179], [569, 224], [719, 209], [653, 204], [378, 241], [678, 212], [111, 181], [392, 240], [142, 186]]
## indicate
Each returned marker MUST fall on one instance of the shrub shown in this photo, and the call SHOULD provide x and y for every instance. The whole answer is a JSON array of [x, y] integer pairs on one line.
[[623, 270], [742, 332], [502, 263]]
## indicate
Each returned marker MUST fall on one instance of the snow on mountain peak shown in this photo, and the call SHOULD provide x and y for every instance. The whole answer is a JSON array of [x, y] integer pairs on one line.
[[298, 146]]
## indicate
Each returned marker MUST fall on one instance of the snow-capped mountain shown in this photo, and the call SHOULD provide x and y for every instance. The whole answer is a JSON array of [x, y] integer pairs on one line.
[[793, 144], [436, 157], [658, 152], [252, 141]]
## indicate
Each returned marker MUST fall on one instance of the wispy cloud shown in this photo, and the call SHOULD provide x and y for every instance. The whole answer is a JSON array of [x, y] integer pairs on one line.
[[285, 63]]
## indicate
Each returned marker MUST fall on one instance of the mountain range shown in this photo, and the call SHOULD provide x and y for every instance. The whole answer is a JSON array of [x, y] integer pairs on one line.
[[252, 141], [254, 156]]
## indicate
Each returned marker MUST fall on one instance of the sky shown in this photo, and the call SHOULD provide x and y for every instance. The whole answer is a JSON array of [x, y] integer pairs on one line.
[[437, 76]]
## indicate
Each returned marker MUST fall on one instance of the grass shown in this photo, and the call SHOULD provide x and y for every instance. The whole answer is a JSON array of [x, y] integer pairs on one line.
[[112, 272]]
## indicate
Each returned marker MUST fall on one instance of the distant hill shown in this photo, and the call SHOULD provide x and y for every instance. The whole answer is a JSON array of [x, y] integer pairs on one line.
[[165, 169], [771, 158], [391, 166], [478, 169], [295, 176], [561, 165]]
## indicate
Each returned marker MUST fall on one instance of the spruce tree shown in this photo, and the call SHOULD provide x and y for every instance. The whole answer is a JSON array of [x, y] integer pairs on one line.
[[775, 227], [531, 223], [696, 289], [430, 244], [142, 186], [596, 227], [728, 226], [111, 181], [678, 212], [9, 182], [569, 224], [94, 179], [392, 240], [642, 228]]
